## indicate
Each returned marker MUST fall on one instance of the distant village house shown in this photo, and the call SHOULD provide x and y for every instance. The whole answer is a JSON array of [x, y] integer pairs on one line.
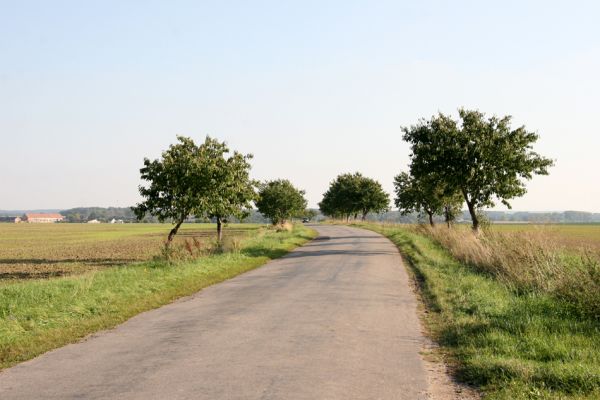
[[41, 218]]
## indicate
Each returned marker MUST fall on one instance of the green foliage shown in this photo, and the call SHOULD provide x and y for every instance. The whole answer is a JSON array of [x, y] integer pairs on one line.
[[338, 199], [173, 183], [452, 208], [309, 213], [371, 197], [353, 194], [426, 195], [195, 180], [483, 158], [279, 200], [84, 214], [231, 190]]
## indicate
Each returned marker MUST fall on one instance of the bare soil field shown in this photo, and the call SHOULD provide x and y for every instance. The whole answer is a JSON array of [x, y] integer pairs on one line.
[[47, 250]]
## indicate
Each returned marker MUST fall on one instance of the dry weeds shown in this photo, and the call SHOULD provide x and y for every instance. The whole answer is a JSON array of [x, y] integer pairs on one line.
[[529, 260]]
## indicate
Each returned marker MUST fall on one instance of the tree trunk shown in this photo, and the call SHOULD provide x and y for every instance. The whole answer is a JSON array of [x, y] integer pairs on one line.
[[473, 217], [447, 215], [430, 218], [173, 233], [219, 230], [472, 211]]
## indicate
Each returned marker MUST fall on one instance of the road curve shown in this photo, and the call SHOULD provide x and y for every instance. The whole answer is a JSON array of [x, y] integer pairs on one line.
[[335, 319]]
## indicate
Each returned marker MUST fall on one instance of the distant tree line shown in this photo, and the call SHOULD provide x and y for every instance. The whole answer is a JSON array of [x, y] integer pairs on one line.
[[565, 217], [106, 214], [84, 214]]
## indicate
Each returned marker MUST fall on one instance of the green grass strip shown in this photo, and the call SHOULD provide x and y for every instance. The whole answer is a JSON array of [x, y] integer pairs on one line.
[[40, 315], [511, 345]]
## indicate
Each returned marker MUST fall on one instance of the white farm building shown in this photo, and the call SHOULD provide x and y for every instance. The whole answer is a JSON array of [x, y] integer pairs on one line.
[[42, 218]]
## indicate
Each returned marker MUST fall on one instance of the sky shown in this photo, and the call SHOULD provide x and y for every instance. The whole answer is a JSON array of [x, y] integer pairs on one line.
[[311, 88]]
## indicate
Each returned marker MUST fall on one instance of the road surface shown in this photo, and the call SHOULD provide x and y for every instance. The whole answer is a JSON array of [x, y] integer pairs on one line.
[[334, 319]]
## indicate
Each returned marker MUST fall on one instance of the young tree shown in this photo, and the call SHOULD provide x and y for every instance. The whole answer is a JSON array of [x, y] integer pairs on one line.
[[418, 195], [452, 207], [195, 180], [230, 190], [484, 158], [279, 200], [174, 180]]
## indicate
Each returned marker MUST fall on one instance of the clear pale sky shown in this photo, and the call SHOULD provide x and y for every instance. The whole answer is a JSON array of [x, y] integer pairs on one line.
[[311, 88]]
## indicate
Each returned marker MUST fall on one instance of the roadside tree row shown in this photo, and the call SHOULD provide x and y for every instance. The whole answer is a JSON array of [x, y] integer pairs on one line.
[[210, 181], [476, 160]]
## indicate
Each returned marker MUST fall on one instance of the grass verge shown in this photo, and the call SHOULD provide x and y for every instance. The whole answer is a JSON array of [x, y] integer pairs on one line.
[[511, 344], [528, 261], [39, 315]]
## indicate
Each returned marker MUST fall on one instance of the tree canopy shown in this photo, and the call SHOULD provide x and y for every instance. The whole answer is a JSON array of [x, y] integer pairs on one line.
[[425, 196], [279, 200], [195, 180], [353, 194], [483, 158], [230, 190], [173, 183]]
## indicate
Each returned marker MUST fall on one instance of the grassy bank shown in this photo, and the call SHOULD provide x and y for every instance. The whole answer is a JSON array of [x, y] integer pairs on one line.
[[533, 260], [42, 314], [513, 344]]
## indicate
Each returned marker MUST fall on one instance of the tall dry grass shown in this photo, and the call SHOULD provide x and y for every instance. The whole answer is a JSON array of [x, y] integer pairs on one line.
[[528, 261]]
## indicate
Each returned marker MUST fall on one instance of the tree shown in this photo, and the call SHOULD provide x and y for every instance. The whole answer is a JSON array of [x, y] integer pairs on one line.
[[174, 183], [429, 196], [279, 200], [339, 201], [418, 195], [195, 180], [353, 194], [483, 158], [310, 213], [452, 207], [371, 197], [230, 190]]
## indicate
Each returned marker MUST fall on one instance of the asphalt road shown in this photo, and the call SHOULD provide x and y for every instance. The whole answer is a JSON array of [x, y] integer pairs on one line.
[[334, 319]]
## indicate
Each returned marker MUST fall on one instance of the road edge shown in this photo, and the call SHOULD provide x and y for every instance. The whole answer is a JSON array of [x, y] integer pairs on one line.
[[442, 382]]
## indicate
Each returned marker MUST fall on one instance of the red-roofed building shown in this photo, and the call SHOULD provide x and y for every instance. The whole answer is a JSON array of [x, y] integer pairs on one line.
[[43, 217]]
